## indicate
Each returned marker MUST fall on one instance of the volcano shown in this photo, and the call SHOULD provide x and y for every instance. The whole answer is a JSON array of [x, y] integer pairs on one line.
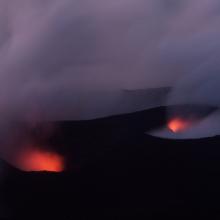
[[115, 169], [178, 124], [34, 159]]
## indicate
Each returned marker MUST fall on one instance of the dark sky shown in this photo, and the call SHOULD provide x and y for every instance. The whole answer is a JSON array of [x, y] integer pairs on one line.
[[64, 57]]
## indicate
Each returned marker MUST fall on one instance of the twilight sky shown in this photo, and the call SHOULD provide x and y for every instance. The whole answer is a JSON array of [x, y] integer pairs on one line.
[[60, 59]]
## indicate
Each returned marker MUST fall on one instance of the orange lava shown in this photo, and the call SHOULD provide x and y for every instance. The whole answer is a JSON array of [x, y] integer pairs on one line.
[[178, 125], [38, 160]]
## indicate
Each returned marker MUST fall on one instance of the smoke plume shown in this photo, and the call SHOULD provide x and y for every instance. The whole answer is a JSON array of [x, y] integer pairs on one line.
[[71, 59]]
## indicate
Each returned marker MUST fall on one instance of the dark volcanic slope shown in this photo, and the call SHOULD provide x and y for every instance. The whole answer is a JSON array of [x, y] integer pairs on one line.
[[82, 140], [156, 178], [37, 195], [124, 173], [133, 174]]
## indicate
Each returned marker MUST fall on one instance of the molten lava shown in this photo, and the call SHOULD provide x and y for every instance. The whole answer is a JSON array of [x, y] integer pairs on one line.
[[178, 125], [38, 160]]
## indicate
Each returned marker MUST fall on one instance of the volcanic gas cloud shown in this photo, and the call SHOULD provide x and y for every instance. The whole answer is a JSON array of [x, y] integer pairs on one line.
[[38, 160]]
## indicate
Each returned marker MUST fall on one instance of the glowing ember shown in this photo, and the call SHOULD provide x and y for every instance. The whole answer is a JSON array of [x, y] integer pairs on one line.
[[178, 125], [37, 160]]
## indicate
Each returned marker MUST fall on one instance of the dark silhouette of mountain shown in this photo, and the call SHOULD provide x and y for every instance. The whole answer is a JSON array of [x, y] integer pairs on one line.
[[140, 99], [124, 173]]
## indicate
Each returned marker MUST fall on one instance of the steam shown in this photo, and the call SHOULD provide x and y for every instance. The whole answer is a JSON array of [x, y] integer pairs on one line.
[[66, 59], [71, 59], [201, 87], [208, 127]]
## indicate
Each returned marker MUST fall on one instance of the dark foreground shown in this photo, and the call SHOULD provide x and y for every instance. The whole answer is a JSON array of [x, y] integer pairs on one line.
[[116, 171]]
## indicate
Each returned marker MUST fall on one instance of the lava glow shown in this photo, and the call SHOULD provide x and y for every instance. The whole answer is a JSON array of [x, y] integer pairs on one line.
[[177, 125], [37, 160]]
